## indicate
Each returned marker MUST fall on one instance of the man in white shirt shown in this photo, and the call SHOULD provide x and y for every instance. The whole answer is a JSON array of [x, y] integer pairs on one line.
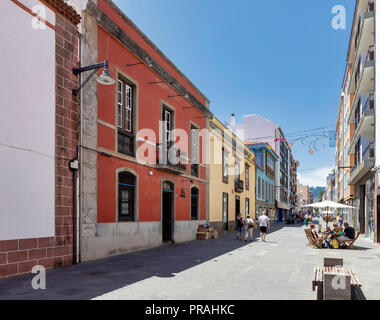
[[264, 225]]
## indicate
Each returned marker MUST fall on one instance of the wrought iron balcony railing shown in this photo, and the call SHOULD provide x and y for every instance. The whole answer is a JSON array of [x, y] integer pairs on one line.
[[369, 56], [171, 159], [369, 104], [369, 152], [239, 185], [370, 8]]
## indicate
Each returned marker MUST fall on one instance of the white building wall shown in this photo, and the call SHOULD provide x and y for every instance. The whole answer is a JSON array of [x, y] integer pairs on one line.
[[259, 129], [27, 124]]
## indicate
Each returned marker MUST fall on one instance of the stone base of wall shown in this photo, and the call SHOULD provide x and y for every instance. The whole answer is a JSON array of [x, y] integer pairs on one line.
[[119, 238], [218, 225], [186, 230]]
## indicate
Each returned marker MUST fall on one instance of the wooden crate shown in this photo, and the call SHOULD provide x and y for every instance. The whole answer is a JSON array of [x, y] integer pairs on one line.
[[203, 235]]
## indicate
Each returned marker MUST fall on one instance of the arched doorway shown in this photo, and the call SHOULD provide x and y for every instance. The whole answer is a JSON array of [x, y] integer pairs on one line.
[[167, 211]]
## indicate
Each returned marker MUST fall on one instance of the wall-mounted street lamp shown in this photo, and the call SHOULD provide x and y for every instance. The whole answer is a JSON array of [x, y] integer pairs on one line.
[[105, 78]]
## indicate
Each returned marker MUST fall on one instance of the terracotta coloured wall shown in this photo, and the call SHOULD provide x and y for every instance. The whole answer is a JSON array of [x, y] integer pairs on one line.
[[149, 102]]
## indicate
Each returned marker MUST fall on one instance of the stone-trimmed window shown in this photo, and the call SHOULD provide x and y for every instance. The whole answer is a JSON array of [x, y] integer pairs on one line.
[[168, 126], [246, 176], [194, 151], [225, 165], [237, 168], [259, 187], [269, 165], [127, 196], [247, 206], [194, 203], [225, 208], [126, 108]]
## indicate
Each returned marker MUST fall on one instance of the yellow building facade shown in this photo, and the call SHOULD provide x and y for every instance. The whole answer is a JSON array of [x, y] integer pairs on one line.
[[232, 175]]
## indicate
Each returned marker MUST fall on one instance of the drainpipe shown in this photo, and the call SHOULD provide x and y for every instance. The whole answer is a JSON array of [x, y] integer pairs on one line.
[[74, 167], [79, 152]]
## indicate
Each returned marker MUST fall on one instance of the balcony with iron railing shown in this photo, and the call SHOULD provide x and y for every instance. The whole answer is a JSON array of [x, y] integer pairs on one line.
[[171, 159], [365, 27], [194, 169], [368, 109], [284, 197], [364, 121], [369, 152], [364, 162], [239, 185], [364, 73], [360, 103]]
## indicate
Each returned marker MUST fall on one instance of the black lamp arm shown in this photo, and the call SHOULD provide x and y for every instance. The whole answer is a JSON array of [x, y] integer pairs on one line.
[[91, 67], [94, 67], [75, 91]]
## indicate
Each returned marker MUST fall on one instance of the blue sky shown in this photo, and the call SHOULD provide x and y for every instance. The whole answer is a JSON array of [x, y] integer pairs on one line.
[[280, 59]]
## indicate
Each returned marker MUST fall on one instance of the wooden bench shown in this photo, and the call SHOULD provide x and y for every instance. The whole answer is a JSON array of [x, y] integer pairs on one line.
[[318, 275]]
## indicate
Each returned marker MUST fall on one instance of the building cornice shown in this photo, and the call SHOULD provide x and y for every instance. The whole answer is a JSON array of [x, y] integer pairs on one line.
[[142, 35], [61, 7], [118, 33]]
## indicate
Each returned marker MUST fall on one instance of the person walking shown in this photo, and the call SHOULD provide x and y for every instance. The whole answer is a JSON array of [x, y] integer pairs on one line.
[[264, 225], [248, 228], [339, 220], [239, 226], [306, 220]]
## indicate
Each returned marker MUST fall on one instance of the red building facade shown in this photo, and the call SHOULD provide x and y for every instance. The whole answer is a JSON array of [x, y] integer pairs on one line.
[[144, 175]]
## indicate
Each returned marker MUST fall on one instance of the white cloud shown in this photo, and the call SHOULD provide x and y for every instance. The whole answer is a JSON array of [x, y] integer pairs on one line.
[[314, 178]]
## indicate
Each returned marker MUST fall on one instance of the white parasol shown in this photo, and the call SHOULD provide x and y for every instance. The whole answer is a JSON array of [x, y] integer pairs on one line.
[[328, 205]]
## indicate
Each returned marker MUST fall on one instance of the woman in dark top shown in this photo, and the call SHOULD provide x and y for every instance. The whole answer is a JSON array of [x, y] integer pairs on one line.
[[239, 226]]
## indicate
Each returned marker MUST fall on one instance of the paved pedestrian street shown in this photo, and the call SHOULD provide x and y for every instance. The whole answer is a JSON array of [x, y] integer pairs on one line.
[[280, 268]]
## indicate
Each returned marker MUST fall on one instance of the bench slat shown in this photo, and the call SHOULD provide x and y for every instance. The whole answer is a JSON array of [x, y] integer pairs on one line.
[[319, 271]]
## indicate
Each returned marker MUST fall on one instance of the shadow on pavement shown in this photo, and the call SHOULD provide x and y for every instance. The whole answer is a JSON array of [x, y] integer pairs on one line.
[[92, 279]]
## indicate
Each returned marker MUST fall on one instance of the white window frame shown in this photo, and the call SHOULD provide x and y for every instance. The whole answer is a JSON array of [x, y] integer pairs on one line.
[[120, 104], [167, 128], [128, 96]]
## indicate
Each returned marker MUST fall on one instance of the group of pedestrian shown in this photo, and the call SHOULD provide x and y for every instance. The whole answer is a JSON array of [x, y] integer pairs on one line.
[[245, 227], [336, 235], [295, 218], [308, 219]]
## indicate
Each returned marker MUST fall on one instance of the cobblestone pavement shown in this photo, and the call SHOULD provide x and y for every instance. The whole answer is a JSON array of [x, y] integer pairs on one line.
[[280, 268]]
